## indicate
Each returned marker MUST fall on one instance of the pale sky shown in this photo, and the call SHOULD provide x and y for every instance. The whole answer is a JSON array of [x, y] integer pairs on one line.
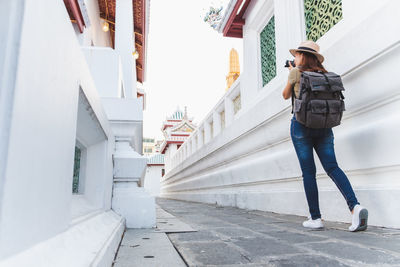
[[187, 62]]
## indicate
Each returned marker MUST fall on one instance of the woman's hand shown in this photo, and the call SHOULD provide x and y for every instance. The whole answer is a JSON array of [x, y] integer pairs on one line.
[[290, 66]]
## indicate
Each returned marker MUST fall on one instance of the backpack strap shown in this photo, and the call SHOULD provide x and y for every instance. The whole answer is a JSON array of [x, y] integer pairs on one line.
[[327, 80], [293, 96], [304, 78]]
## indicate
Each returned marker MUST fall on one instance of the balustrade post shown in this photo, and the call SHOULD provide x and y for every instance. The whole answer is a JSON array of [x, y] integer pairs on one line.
[[217, 123], [200, 137], [190, 147], [207, 131], [228, 111], [195, 142]]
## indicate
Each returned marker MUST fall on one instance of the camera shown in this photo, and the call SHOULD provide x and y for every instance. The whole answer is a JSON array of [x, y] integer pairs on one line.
[[291, 62]]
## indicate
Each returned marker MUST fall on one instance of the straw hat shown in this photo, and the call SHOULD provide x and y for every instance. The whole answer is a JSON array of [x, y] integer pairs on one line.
[[309, 47]]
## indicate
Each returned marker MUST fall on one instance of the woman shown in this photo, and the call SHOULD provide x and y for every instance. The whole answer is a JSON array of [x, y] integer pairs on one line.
[[308, 58]]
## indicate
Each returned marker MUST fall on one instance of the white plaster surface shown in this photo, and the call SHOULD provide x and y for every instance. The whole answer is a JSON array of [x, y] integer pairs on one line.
[[80, 206], [124, 109], [128, 164], [124, 44], [135, 204], [105, 66], [53, 102], [93, 242], [152, 179], [49, 75]]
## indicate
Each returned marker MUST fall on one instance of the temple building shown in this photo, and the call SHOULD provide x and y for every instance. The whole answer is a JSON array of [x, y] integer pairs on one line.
[[176, 129], [154, 172], [158, 146], [149, 146], [72, 172], [234, 68]]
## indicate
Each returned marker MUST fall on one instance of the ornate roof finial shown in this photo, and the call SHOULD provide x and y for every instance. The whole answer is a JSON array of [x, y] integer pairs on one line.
[[213, 17], [185, 115]]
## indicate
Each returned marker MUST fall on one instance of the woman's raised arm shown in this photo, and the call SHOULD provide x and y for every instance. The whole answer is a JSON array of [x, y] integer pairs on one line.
[[287, 92]]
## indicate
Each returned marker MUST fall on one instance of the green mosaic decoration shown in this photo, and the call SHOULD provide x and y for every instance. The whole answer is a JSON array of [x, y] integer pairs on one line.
[[321, 16], [77, 163], [268, 51]]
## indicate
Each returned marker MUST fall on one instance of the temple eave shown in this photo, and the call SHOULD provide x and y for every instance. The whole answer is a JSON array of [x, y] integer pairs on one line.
[[236, 21], [107, 12]]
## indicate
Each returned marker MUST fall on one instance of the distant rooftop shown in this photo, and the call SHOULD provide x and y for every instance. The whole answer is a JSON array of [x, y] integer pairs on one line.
[[156, 159], [179, 115]]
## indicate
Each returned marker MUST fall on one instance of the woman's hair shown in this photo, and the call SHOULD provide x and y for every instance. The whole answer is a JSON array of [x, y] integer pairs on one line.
[[310, 63]]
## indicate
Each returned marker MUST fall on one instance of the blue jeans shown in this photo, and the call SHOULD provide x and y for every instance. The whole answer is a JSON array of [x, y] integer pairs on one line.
[[304, 140]]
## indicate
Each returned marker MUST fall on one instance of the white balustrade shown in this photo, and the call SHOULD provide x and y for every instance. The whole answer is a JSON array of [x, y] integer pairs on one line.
[[210, 127]]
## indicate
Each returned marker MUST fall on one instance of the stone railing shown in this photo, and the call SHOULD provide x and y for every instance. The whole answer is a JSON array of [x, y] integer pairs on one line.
[[220, 117]]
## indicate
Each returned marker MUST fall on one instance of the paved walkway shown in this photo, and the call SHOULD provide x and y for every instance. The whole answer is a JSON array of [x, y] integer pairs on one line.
[[232, 237]]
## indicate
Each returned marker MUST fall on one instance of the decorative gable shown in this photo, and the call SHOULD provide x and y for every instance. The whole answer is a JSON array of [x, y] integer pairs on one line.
[[184, 128]]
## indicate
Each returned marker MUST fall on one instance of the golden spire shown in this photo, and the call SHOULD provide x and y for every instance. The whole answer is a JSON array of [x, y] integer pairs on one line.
[[234, 68]]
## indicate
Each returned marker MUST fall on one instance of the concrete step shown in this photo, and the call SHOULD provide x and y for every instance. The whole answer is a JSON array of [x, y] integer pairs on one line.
[[151, 246]]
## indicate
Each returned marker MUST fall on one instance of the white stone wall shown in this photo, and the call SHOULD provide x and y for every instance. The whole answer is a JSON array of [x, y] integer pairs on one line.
[[107, 77], [52, 103], [252, 163], [152, 179]]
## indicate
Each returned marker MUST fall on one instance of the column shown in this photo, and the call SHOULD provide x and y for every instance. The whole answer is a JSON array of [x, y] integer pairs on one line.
[[289, 30], [125, 44], [251, 76]]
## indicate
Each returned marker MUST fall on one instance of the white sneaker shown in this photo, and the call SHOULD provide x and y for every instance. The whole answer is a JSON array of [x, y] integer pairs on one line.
[[313, 224], [360, 219]]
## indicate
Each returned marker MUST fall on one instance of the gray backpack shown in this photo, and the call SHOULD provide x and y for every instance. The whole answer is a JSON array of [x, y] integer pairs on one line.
[[320, 103]]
